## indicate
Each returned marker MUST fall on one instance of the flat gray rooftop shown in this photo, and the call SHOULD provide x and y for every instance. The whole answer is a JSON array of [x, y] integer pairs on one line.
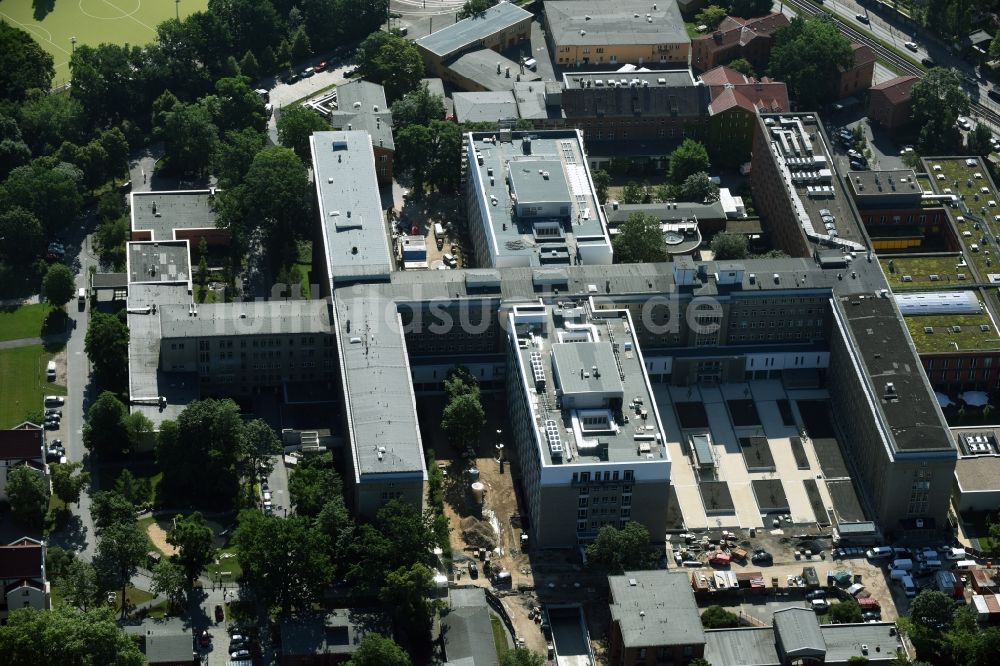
[[657, 78], [375, 371], [882, 343], [667, 212], [250, 318], [162, 212], [844, 641], [147, 383], [804, 158], [477, 107], [889, 182], [474, 29], [158, 262], [354, 232], [655, 608], [481, 67], [590, 22], [748, 646], [546, 353], [560, 153], [362, 105]]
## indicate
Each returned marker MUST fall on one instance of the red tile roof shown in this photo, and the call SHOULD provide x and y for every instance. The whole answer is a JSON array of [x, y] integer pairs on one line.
[[734, 30], [897, 90], [729, 88], [22, 444], [21, 559], [862, 54], [722, 75]]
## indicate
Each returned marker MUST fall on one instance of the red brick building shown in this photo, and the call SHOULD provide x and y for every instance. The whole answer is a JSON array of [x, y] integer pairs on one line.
[[890, 103], [732, 113], [858, 77], [737, 38]]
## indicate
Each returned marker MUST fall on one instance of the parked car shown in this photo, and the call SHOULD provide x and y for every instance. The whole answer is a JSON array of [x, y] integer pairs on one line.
[[321, 66], [204, 639], [54, 401], [964, 123], [290, 77], [820, 605], [473, 570], [220, 614], [51, 411], [308, 71], [871, 616], [762, 557], [816, 594], [240, 654]]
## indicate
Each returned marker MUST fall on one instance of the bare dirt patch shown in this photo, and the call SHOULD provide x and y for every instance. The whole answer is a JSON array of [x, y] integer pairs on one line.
[[159, 538]]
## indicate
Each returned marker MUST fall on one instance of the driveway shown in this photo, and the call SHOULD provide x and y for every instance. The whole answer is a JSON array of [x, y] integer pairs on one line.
[[277, 481], [283, 94]]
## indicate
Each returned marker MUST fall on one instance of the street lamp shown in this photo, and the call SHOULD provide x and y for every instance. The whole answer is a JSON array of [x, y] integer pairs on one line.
[[72, 40], [177, 9]]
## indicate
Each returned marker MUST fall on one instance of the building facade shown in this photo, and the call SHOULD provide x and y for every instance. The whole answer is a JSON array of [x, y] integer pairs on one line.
[[22, 574], [737, 38], [890, 104], [858, 77], [500, 27]]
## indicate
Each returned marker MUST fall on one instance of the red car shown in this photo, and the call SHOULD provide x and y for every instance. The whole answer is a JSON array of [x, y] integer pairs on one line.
[[220, 614], [320, 67]]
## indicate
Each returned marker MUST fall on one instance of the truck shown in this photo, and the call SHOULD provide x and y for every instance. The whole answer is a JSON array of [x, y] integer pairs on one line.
[[81, 297], [439, 235]]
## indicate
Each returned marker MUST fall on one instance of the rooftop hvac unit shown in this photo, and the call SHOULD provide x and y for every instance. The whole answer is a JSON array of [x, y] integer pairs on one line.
[[552, 436], [536, 368]]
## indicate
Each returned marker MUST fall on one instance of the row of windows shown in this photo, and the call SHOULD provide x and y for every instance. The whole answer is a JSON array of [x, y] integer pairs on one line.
[[959, 362], [584, 477]]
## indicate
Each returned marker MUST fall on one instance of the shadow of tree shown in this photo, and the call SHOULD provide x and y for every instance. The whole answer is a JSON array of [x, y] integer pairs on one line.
[[42, 8]]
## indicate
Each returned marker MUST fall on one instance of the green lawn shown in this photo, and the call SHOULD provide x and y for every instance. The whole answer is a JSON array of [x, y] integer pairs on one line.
[[23, 322], [23, 383], [91, 22], [920, 268], [944, 340], [960, 179], [227, 562], [499, 636]]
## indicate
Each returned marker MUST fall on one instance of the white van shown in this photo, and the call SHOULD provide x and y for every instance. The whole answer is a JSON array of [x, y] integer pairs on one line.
[[879, 552], [955, 554], [932, 565], [531, 64], [897, 574], [904, 564], [54, 401], [439, 234], [81, 297], [965, 565], [909, 589], [50, 371]]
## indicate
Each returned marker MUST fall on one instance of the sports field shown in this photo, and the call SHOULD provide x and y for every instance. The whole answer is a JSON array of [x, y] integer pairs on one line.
[[53, 23]]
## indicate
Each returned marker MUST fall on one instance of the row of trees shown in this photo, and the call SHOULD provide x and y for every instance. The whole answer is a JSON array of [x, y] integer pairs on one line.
[[946, 635]]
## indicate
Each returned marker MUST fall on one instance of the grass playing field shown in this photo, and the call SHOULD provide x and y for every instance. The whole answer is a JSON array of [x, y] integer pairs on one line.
[[53, 23]]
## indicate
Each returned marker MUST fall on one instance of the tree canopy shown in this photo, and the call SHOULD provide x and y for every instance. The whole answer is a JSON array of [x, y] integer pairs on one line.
[[49, 190], [70, 637], [23, 63], [295, 126], [728, 246], [59, 285], [618, 550], [106, 345], [104, 431], [699, 188], [28, 495], [312, 483], [689, 158], [639, 240], [938, 100], [418, 107], [522, 657], [192, 537], [717, 617], [808, 55], [68, 481], [378, 650], [390, 60], [846, 612]]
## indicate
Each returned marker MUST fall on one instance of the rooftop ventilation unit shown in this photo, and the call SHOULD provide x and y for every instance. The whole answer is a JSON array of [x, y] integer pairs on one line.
[[552, 437], [536, 368], [928, 329]]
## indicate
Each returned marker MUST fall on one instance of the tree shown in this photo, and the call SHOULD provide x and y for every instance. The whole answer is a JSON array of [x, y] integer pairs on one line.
[[120, 550], [115, 147], [743, 66], [411, 532], [104, 433], [405, 596], [59, 285], [699, 188], [235, 154], [688, 158], [199, 457], [296, 126], [602, 181], [717, 617], [857, 659], [111, 237], [639, 240], [312, 483], [726, 246], [13, 150], [418, 107], [977, 142], [79, 585], [138, 427], [277, 183], [459, 380], [109, 508], [70, 637], [249, 65], [300, 46], [258, 446], [21, 236], [938, 100], [846, 612], [378, 650], [68, 481], [135, 490], [28, 495], [189, 136], [522, 657], [50, 192], [808, 55], [474, 7], [237, 106], [463, 420], [23, 63], [932, 609], [617, 550], [444, 172], [48, 120], [749, 8], [193, 539], [634, 193], [170, 580], [106, 345], [413, 151], [392, 61], [285, 561], [710, 16]]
